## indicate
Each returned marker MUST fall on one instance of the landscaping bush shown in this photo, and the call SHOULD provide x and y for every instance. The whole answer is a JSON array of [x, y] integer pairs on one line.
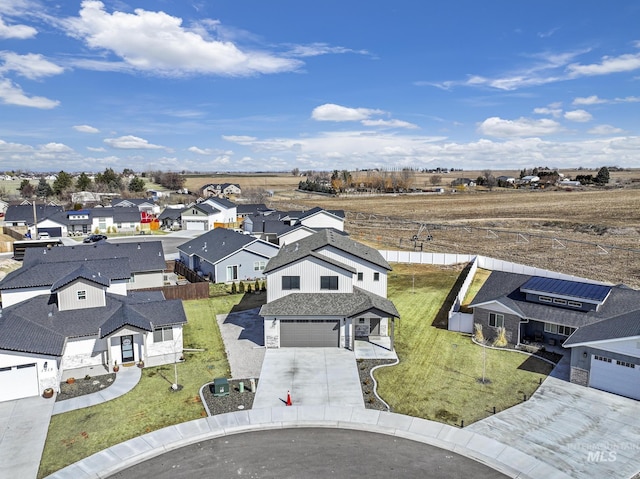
[[234, 288], [241, 288]]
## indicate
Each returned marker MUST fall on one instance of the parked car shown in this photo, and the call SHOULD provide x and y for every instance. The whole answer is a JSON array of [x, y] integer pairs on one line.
[[94, 238], [44, 236]]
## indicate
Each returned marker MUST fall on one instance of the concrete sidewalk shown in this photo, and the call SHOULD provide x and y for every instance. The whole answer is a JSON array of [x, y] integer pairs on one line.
[[496, 455], [24, 423]]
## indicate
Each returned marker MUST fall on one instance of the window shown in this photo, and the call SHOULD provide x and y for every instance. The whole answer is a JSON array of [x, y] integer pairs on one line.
[[376, 276], [259, 265], [496, 320], [602, 358], [163, 334], [232, 272], [329, 282], [291, 282], [565, 330], [82, 295], [550, 328], [574, 304], [360, 276], [559, 301], [558, 329], [545, 299]]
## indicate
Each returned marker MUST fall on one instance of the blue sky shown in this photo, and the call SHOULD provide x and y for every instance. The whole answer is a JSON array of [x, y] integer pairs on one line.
[[247, 85]]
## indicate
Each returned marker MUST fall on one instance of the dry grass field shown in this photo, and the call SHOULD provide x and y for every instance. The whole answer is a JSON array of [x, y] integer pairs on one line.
[[588, 232]]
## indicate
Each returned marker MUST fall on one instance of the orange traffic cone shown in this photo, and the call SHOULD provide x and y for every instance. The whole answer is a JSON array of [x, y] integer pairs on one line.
[[289, 403]]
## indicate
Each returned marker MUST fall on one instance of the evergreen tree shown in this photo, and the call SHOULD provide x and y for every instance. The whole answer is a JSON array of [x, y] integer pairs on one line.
[[83, 182], [62, 182], [136, 185], [602, 178], [43, 189]]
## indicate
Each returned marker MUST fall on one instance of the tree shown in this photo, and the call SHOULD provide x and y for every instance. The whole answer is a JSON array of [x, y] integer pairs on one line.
[[62, 182], [602, 178], [26, 189], [489, 180], [295, 172], [109, 180], [435, 180], [172, 181], [43, 189], [83, 182], [136, 185]]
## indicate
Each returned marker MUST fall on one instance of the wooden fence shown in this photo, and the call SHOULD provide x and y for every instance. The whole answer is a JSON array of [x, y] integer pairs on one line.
[[191, 276], [183, 291]]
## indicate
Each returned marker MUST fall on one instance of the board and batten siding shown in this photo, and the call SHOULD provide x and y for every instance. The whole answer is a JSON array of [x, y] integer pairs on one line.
[[152, 279], [323, 220], [368, 269], [69, 296], [309, 271]]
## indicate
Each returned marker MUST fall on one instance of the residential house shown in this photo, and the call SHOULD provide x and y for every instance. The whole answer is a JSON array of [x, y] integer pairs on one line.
[[171, 217], [143, 205], [265, 227], [463, 182], [116, 219], [220, 189], [208, 214], [73, 318], [318, 218], [597, 324], [324, 291], [23, 215], [224, 255], [146, 260]]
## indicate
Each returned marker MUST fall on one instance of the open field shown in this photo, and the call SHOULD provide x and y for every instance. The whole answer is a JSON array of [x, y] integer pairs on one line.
[[592, 233]]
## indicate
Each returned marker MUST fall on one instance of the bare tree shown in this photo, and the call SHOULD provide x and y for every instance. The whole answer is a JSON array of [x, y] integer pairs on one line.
[[295, 172], [435, 180], [490, 180]]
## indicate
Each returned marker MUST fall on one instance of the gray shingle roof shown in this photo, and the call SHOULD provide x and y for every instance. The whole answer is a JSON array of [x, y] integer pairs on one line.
[[624, 326], [143, 256], [216, 244], [36, 326], [295, 251], [504, 288], [25, 212], [225, 203], [40, 274], [329, 304], [317, 209], [84, 272]]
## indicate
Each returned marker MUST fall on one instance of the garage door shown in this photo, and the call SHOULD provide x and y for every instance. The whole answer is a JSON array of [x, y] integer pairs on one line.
[[617, 377], [195, 225], [18, 382], [313, 334], [53, 232]]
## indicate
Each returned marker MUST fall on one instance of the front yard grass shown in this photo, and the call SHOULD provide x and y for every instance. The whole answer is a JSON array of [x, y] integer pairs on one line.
[[439, 371], [150, 405]]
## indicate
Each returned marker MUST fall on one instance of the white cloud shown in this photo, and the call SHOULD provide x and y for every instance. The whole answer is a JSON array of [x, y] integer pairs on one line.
[[579, 116], [20, 32], [239, 139], [628, 99], [12, 94], [589, 100], [32, 66], [130, 142], [522, 127], [156, 42], [56, 148], [554, 112], [390, 124], [332, 112], [209, 151], [94, 149], [315, 49], [605, 130], [623, 63], [86, 129]]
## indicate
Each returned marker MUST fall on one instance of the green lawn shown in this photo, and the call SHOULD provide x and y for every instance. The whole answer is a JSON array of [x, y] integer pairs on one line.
[[439, 371], [151, 405]]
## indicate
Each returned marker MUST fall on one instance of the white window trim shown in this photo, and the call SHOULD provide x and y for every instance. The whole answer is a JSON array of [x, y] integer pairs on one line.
[[498, 320]]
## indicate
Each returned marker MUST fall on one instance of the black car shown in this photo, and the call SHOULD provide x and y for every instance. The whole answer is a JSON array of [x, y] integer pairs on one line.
[[94, 238]]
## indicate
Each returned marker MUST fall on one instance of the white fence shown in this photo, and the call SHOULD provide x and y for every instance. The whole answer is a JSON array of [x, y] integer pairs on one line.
[[463, 322]]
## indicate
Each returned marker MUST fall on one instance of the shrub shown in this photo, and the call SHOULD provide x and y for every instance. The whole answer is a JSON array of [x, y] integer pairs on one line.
[[241, 288], [234, 289], [477, 335], [256, 286], [249, 288], [501, 339]]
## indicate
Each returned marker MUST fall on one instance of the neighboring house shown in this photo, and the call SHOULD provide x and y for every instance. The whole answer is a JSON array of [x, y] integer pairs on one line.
[[123, 219], [253, 209], [3, 207], [158, 194], [143, 205], [319, 218], [203, 216], [225, 255], [170, 218], [220, 189], [146, 259], [466, 182], [75, 318], [291, 234], [23, 215], [324, 291], [264, 227], [600, 324]]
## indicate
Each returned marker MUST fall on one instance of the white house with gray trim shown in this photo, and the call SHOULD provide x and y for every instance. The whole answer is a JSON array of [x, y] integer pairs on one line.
[[324, 291], [73, 318]]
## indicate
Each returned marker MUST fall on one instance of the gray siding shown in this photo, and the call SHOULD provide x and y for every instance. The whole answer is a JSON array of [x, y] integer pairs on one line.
[[244, 260], [68, 296], [511, 323]]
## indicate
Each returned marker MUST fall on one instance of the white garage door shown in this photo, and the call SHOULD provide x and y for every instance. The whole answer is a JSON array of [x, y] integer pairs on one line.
[[195, 225], [18, 382], [618, 377]]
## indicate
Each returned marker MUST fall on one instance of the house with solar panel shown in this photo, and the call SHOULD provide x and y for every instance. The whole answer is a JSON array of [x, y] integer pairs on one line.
[[597, 324], [326, 290]]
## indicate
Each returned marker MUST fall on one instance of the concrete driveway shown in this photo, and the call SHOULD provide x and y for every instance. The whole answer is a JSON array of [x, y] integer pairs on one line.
[[243, 337], [581, 431], [315, 377]]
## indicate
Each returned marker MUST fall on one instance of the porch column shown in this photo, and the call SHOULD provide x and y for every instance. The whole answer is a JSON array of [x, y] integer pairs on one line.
[[393, 330]]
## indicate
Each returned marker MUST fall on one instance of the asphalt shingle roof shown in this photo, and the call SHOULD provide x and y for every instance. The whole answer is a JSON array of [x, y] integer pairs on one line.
[[304, 247], [329, 304], [25, 212], [216, 244]]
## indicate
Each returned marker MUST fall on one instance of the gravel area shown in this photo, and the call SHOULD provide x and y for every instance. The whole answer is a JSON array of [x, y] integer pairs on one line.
[[86, 385], [238, 401]]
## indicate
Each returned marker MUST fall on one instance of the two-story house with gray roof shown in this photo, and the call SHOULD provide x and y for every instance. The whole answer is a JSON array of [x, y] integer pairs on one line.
[[597, 324], [225, 255], [73, 318], [324, 291]]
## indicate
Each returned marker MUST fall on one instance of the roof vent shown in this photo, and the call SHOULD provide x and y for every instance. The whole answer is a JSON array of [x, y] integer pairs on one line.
[[138, 245], [50, 314]]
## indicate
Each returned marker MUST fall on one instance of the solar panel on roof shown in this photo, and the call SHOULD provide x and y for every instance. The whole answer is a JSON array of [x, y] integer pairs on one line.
[[576, 289]]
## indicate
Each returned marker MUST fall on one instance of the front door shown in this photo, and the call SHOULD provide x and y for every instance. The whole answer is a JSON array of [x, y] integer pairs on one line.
[[126, 343]]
